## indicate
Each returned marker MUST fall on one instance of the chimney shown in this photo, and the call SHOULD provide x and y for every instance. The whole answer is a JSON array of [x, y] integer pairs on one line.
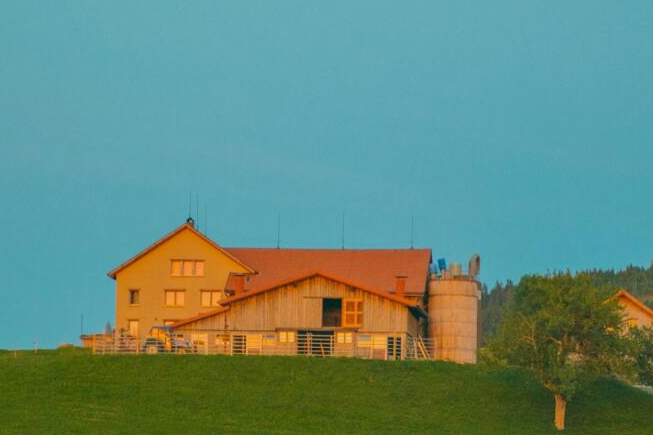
[[239, 284], [400, 287]]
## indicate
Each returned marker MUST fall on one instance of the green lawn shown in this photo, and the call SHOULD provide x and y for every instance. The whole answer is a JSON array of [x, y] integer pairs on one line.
[[73, 392]]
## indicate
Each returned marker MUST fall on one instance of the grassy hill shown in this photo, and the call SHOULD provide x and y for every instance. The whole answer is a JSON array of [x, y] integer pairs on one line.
[[74, 392]]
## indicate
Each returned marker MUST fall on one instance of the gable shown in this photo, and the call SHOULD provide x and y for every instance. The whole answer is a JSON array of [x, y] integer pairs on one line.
[[185, 242], [300, 284], [298, 304]]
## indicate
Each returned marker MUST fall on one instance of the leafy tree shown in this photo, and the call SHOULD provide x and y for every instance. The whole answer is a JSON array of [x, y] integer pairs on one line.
[[563, 329], [641, 340]]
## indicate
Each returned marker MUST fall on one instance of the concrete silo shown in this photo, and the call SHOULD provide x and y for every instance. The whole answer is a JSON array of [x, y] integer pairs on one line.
[[453, 315]]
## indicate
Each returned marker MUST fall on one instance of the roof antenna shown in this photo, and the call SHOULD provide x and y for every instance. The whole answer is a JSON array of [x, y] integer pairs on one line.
[[342, 246], [197, 212], [190, 220], [205, 218], [278, 230], [412, 230], [190, 202]]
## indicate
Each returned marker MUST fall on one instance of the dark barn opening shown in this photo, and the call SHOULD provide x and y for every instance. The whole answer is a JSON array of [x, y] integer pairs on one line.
[[331, 312]]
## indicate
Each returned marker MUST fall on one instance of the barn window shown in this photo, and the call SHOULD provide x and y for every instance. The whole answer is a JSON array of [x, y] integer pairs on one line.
[[352, 313], [287, 337], [343, 337], [331, 312]]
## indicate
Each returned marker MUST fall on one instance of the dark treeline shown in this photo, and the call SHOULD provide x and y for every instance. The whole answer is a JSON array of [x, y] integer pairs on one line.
[[635, 279]]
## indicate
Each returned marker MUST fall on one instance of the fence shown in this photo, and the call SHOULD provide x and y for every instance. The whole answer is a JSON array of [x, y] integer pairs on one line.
[[383, 346]]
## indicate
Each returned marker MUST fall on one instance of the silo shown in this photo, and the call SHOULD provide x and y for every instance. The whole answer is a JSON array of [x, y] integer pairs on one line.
[[453, 317]]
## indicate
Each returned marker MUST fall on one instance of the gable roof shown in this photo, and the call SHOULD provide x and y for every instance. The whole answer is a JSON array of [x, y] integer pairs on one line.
[[639, 304], [313, 274], [185, 226], [375, 268], [412, 306]]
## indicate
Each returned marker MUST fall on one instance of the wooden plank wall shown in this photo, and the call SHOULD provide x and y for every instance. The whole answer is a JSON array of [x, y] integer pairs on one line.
[[299, 306]]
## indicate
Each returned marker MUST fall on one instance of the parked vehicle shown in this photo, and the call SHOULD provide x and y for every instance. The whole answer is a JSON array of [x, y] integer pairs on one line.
[[162, 339]]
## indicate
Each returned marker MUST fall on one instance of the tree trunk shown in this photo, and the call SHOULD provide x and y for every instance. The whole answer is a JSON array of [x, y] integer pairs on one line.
[[561, 406]]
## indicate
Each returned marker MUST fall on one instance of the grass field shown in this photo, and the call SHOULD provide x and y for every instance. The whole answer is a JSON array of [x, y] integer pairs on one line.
[[73, 392]]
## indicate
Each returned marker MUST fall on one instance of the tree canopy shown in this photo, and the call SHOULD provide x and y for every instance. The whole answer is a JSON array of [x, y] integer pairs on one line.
[[563, 328]]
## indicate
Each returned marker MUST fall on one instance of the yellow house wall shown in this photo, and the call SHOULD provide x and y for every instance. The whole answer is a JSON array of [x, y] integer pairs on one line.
[[151, 275], [633, 315]]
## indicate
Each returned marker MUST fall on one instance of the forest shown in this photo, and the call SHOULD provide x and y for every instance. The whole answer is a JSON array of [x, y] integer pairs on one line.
[[635, 279]]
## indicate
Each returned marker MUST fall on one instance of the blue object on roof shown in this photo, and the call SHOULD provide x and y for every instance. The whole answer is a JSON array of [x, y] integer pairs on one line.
[[442, 264]]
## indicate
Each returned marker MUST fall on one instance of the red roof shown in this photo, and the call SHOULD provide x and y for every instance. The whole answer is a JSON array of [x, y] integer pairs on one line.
[[375, 268]]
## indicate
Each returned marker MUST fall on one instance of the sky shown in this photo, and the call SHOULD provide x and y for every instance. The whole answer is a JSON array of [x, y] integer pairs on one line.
[[519, 130]]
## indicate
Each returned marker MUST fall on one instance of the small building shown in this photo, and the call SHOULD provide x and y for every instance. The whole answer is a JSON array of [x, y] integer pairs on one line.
[[636, 313]]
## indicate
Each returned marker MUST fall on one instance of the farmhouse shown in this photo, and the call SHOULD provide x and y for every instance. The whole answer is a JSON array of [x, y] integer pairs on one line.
[[380, 303]]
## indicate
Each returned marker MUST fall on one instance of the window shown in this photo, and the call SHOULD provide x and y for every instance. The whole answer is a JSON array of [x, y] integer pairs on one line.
[[287, 337], [364, 340], [134, 297], [211, 298], [331, 312], [352, 312], [175, 298], [269, 340], [132, 326], [343, 337], [187, 267]]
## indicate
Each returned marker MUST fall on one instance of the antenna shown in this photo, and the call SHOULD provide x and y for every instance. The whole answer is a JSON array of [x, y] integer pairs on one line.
[[190, 202], [206, 213], [197, 212], [278, 230], [81, 327], [412, 230], [342, 246]]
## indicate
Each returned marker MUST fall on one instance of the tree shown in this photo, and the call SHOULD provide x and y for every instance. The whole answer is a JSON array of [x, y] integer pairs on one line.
[[641, 340], [563, 329]]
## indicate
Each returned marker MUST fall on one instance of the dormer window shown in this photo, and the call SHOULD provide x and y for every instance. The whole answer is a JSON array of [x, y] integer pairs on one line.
[[187, 267]]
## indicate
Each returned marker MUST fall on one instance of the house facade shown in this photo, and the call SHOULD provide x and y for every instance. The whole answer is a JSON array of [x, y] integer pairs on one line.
[[345, 302], [177, 277]]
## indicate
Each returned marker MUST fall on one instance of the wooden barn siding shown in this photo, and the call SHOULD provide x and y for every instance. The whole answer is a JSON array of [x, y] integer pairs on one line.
[[300, 306]]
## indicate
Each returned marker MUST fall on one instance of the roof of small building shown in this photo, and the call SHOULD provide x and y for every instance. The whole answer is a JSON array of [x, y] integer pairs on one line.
[[376, 268], [639, 304]]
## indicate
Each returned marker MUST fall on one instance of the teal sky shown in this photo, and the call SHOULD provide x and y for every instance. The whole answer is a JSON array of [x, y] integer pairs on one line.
[[520, 130]]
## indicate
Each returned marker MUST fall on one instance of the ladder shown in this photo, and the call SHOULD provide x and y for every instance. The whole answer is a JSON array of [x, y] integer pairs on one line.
[[422, 347]]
